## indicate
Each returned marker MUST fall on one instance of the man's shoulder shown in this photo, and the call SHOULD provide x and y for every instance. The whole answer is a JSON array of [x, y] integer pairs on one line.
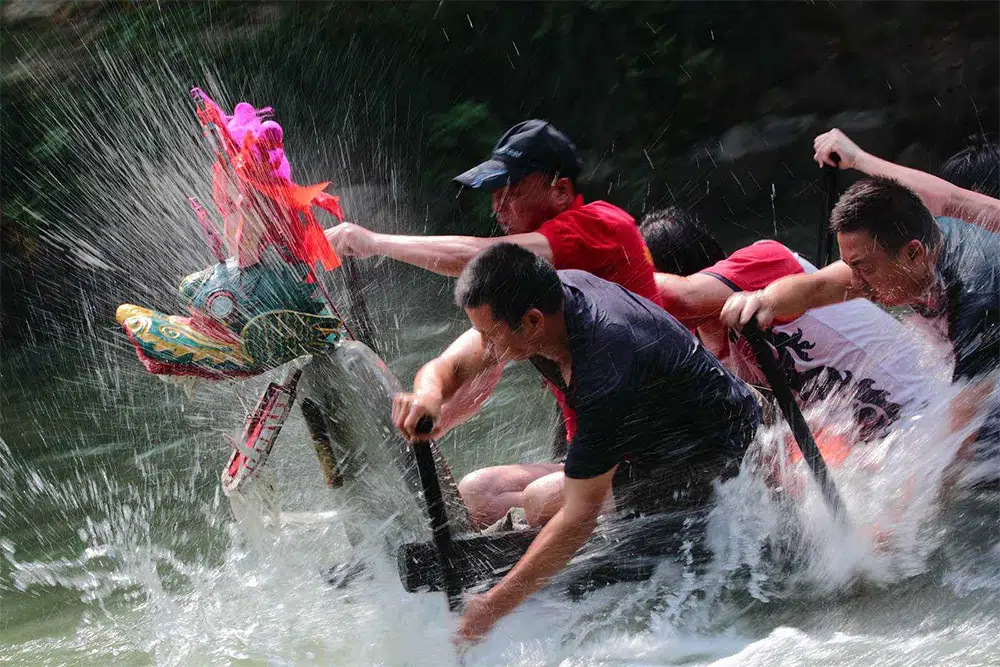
[[955, 229], [587, 282], [949, 224], [952, 231], [765, 250], [609, 311], [576, 276], [602, 208], [604, 295], [969, 252], [596, 211]]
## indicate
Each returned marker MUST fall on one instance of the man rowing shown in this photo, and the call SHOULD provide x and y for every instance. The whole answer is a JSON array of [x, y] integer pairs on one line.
[[852, 350], [531, 176], [966, 189], [896, 253], [659, 418]]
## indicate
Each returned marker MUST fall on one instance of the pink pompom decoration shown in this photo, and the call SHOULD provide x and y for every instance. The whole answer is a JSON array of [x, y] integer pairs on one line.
[[283, 170], [271, 133], [271, 137], [244, 112], [245, 119]]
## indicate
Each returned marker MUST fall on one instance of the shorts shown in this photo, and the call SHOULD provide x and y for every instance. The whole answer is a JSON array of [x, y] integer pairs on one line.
[[646, 487]]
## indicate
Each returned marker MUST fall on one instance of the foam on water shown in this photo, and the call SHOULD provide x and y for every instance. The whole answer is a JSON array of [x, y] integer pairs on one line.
[[159, 569], [118, 547]]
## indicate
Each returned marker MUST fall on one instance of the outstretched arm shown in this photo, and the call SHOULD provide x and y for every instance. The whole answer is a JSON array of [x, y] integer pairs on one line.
[[939, 196], [468, 400], [444, 255], [438, 381], [561, 537], [791, 296], [694, 299]]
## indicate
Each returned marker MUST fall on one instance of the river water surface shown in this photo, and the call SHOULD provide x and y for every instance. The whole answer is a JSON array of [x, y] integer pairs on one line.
[[117, 546]]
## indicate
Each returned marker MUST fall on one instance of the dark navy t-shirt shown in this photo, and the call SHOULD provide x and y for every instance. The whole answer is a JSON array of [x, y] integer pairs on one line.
[[969, 270], [642, 386]]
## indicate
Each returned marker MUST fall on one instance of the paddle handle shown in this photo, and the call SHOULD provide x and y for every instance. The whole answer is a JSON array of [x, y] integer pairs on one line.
[[424, 425], [790, 409], [826, 237], [440, 531]]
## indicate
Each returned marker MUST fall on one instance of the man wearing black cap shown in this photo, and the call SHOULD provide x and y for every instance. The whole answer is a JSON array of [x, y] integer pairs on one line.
[[531, 175]]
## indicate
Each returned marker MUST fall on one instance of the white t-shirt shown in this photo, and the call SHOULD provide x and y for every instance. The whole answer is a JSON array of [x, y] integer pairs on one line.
[[854, 350]]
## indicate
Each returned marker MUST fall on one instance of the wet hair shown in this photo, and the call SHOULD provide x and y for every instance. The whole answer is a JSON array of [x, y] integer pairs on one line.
[[976, 167], [679, 242], [893, 214], [511, 281]]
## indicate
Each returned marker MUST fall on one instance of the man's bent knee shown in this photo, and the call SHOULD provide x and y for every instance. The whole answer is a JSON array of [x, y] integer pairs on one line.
[[543, 498], [490, 493], [484, 482]]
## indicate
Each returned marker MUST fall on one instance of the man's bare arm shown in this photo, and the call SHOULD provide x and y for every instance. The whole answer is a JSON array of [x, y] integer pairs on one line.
[[791, 296], [444, 255], [694, 299], [463, 360], [439, 380], [939, 196], [966, 407], [561, 537], [448, 255]]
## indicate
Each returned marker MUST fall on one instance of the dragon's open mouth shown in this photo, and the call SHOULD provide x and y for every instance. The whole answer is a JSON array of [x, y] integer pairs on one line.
[[174, 345]]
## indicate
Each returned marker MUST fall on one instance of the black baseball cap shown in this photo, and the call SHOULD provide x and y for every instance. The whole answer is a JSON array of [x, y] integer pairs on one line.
[[529, 146]]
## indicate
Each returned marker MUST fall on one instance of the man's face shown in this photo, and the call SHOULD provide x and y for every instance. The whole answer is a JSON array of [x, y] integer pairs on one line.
[[522, 207], [888, 277], [502, 341]]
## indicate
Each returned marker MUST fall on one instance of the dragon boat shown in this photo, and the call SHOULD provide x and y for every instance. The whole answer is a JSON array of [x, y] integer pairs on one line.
[[263, 306]]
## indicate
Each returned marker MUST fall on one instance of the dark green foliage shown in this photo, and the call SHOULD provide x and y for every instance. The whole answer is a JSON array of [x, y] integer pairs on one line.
[[418, 92], [429, 86]]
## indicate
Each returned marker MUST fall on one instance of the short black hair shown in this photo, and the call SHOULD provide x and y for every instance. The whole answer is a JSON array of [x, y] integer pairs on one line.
[[892, 213], [678, 242], [976, 167], [511, 280]]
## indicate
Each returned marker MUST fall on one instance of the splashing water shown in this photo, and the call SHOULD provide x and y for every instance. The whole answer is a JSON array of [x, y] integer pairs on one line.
[[117, 546]]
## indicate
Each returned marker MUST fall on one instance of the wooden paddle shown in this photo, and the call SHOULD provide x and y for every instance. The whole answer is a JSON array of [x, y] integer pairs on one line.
[[826, 237], [440, 530], [790, 409]]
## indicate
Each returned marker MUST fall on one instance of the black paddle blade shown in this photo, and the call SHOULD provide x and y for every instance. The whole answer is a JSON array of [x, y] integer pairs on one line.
[[440, 530], [790, 409]]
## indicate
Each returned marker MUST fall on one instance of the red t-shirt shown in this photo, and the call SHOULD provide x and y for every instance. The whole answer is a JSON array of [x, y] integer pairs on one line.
[[756, 266], [602, 239], [750, 269]]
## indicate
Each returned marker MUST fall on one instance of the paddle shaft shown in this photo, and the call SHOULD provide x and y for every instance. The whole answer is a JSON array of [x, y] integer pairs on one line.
[[440, 531], [364, 329], [426, 470], [826, 237], [790, 409]]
